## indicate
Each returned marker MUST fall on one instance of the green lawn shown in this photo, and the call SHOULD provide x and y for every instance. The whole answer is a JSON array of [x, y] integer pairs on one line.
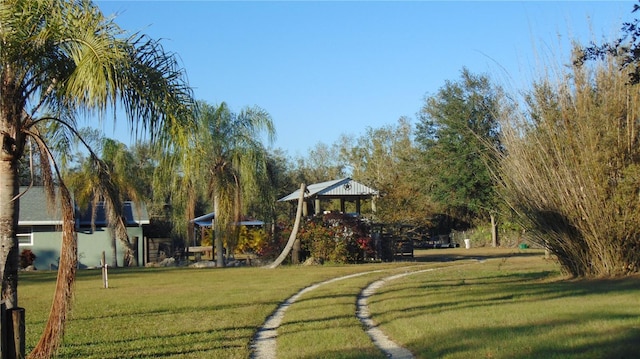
[[513, 305], [511, 308]]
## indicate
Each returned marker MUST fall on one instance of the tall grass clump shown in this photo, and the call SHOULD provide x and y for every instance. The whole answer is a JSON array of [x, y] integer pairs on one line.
[[571, 169]]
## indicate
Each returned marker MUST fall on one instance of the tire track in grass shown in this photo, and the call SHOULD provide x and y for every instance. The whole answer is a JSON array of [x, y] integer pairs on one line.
[[378, 337], [263, 345]]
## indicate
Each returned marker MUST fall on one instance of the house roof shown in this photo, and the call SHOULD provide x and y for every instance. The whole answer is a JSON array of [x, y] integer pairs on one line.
[[340, 188], [34, 211], [135, 215], [205, 221], [34, 208]]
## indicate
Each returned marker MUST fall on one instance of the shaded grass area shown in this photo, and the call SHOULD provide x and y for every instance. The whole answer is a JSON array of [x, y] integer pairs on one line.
[[514, 307], [475, 303]]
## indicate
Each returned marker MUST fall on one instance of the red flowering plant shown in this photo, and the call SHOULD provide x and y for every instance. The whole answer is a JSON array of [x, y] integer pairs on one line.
[[27, 257], [366, 246], [336, 237], [319, 241]]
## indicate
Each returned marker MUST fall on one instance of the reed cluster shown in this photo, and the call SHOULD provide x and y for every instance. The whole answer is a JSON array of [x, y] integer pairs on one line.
[[571, 168]]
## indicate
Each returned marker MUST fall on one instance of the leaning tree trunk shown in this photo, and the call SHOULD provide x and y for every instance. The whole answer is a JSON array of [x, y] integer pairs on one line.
[[294, 232]]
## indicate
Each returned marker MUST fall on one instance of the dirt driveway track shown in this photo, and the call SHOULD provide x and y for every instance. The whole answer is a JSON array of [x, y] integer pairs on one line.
[[264, 345]]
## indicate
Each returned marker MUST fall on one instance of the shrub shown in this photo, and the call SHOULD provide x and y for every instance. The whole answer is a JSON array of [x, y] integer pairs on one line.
[[27, 257], [252, 240], [335, 237]]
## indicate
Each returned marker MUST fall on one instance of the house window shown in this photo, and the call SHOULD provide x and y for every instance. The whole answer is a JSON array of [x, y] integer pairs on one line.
[[25, 236]]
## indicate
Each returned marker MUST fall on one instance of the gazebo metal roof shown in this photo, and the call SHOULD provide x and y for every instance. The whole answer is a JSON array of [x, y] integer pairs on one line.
[[344, 188]]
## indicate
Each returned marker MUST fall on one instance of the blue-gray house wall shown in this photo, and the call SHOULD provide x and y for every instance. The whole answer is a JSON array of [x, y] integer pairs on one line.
[[45, 245], [40, 231]]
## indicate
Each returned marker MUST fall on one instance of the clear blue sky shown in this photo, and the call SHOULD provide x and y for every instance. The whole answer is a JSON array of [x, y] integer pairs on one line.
[[326, 68]]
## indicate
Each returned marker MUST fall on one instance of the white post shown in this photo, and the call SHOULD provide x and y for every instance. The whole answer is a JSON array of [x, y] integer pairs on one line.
[[105, 275]]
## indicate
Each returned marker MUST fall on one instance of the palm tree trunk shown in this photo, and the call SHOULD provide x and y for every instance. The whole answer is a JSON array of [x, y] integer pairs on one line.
[[217, 233], [114, 247], [129, 249], [9, 209], [132, 252]]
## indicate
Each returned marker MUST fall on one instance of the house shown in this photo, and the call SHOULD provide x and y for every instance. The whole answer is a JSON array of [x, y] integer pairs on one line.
[[39, 230]]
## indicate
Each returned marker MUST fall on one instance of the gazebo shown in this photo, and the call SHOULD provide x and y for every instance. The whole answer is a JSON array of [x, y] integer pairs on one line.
[[345, 189]]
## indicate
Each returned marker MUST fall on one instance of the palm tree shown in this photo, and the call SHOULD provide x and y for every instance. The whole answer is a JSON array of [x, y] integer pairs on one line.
[[231, 153], [59, 60], [175, 185], [89, 192]]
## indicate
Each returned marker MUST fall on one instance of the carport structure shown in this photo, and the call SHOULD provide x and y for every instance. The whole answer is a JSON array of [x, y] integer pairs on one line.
[[206, 221], [344, 190]]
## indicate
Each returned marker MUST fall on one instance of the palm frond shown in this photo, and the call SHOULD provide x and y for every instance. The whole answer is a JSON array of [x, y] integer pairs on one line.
[[54, 330]]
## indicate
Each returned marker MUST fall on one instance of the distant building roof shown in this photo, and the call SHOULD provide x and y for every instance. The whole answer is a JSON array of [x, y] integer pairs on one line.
[[135, 215], [205, 221], [34, 211], [340, 188]]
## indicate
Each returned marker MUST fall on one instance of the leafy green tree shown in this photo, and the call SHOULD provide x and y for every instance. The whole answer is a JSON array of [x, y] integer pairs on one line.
[[321, 164], [458, 134], [278, 183], [156, 192], [143, 167], [59, 60], [384, 158], [175, 185], [626, 49]]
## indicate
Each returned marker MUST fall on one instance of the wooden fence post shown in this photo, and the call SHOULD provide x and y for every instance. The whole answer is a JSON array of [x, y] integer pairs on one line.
[[12, 328], [3, 330], [17, 332]]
